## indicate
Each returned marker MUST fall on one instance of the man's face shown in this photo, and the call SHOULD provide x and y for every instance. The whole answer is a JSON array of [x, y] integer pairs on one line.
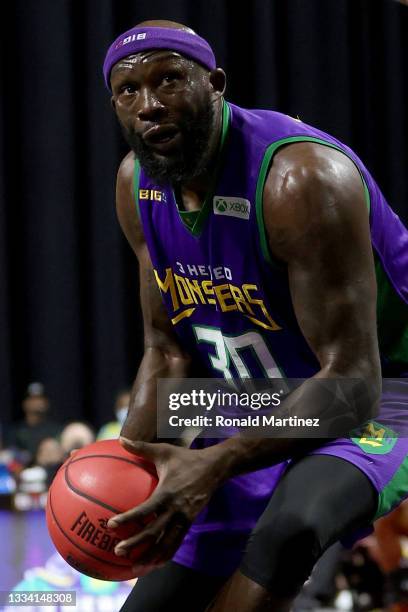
[[35, 408], [164, 106]]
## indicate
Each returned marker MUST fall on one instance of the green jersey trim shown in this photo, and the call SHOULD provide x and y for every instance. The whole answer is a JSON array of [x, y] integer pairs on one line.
[[392, 317], [136, 179], [194, 221], [395, 491], [269, 153], [189, 217]]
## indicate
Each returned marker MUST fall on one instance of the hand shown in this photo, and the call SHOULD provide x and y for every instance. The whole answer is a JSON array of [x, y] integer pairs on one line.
[[187, 479]]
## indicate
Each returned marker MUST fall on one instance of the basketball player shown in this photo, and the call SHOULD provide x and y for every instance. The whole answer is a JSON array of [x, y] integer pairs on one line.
[[261, 243]]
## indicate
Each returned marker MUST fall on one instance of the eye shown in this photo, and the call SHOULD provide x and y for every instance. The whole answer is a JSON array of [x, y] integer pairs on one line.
[[127, 89], [170, 77]]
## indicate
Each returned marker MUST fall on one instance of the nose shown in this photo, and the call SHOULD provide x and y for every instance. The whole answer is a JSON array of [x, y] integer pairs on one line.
[[150, 107]]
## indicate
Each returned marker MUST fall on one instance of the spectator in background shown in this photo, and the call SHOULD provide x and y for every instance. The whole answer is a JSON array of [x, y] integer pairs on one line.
[[50, 456], [112, 429], [37, 425], [7, 480], [76, 435], [385, 546], [34, 480]]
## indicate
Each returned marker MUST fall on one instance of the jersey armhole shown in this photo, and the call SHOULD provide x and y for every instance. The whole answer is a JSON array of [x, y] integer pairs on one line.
[[266, 163], [136, 180]]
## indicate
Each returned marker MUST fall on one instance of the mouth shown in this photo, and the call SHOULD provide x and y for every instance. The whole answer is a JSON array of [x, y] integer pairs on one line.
[[162, 137]]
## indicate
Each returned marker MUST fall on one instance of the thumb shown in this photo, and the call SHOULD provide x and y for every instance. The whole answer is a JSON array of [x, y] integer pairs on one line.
[[137, 447]]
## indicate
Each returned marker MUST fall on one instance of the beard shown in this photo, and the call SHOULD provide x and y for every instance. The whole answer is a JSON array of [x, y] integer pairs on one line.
[[191, 160]]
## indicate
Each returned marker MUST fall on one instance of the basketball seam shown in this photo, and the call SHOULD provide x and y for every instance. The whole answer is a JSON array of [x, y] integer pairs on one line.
[[86, 496], [86, 552], [141, 464]]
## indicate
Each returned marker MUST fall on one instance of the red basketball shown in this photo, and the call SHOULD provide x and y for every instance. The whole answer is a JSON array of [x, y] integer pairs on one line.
[[95, 483]]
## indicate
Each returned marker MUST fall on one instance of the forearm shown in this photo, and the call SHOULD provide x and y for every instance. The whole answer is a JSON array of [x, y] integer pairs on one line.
[[338, 414], [141, 422]]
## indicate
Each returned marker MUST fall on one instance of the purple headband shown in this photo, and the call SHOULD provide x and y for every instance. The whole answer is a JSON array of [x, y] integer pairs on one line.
[[144, 39]]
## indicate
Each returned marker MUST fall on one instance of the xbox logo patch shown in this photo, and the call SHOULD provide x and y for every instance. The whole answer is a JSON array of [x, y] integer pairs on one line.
[[232, 207]]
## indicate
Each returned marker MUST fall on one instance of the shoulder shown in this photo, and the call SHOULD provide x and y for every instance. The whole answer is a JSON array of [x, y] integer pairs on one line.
[[126, 202], [300, 168], [124, 179], [311, 188]]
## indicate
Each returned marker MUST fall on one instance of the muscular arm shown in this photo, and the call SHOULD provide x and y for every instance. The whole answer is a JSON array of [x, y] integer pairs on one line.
[[317, 224], [163, 356]]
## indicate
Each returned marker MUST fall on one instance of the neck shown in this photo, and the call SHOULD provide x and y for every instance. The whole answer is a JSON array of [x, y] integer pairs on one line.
[[32, 420]]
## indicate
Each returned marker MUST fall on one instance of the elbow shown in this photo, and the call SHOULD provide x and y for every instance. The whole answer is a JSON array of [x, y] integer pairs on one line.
[[366, 401], [179, 364], [366, 391], [361, 387], [371, 384], [176, 361]]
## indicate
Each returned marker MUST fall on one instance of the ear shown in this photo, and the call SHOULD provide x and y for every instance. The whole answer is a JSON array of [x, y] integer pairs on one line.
[[218, 81], [113, 104]]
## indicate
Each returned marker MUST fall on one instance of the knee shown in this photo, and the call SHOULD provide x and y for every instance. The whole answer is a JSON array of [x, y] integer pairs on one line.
[[282, 551], [290, 537]]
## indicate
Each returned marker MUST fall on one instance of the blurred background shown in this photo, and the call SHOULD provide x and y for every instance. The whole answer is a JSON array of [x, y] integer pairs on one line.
[[69, 313], [70, 324]]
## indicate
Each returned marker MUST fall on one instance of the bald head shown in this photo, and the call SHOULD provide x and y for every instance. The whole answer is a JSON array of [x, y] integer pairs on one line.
[[159, 34], [163, 23]]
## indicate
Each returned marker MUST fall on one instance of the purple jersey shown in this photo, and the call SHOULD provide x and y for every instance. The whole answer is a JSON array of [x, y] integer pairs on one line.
[[227, 298], [230, 305]]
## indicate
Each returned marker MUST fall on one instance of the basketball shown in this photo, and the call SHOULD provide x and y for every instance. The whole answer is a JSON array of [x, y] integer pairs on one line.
[[94, 484]]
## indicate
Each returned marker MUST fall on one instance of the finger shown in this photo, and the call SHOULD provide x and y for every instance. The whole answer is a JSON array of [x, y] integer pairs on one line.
[[144, 449], [73, 451], [150, 533], [165, 546], [168, 539], [150, 507]]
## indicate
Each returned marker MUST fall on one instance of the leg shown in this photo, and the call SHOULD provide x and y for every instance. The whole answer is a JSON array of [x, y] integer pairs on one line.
[[318, 501], [321, 588], [173, 587]]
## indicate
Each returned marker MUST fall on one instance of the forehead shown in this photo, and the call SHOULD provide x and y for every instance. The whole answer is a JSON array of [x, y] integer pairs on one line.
[[149, 59]]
